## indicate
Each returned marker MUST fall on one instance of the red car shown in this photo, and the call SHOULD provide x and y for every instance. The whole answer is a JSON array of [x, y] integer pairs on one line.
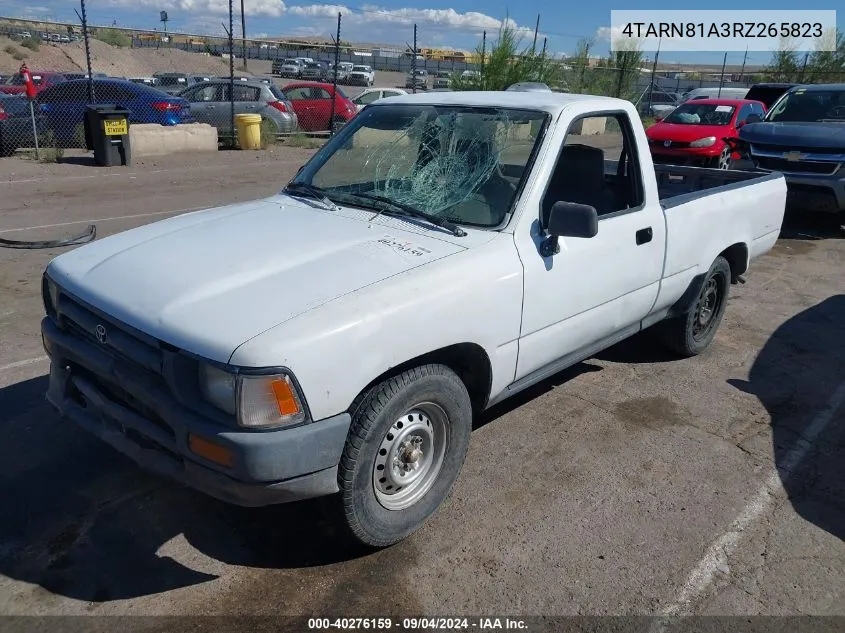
[[312, 102], [15, 84], [693, 132]]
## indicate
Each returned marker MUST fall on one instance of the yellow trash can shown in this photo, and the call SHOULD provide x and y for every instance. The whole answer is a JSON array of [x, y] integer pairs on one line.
[[249, 130]]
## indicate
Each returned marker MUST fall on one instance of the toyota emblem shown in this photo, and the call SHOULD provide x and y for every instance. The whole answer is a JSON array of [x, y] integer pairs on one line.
[[667, 143], [101, 334]]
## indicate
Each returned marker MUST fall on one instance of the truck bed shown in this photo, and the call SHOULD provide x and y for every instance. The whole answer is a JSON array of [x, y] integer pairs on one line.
[[678, 184]]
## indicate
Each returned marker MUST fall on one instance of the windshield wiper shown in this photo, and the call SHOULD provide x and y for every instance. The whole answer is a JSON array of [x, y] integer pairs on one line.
[[312, 191], [398, 208]]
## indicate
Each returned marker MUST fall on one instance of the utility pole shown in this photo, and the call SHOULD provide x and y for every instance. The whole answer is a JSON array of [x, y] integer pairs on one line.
[[536, 29], [742, 70], [722, 77], [804, 67], [334, 81], [483, 55], [414, 64], [243, 33], [653, 71]]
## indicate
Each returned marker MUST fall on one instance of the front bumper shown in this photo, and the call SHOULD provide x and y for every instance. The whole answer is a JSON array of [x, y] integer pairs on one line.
[[114, 401], [811, 192], [684, 155]]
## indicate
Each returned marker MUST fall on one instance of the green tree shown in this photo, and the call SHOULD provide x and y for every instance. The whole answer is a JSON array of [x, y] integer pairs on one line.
[[114, 37], [827, 66], [506, 64]]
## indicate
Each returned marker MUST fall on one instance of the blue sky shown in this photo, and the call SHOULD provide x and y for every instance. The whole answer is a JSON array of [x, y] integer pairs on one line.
[[453, 23]]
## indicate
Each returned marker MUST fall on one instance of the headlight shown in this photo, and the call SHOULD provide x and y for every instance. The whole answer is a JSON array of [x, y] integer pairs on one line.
[[704, 142], [218, 388], [258, 401], [49, 294]]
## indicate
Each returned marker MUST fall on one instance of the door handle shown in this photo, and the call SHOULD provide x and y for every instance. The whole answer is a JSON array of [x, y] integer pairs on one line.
[[644, 235]]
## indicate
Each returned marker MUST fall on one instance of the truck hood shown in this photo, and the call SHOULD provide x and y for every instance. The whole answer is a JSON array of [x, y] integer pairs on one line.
[[797, 135], [208, 281]]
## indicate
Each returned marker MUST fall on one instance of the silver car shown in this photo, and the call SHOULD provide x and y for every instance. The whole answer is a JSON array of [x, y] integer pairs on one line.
[[210, 104]]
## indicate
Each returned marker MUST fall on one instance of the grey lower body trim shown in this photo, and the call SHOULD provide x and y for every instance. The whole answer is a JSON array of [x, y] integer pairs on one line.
[[564, 363]]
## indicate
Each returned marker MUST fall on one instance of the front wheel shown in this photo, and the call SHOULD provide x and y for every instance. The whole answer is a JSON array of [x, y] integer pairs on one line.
[[691, 333], [723, 160], [406, 446]]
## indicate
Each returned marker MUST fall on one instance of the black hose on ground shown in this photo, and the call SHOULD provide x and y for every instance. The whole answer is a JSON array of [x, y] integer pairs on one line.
[[85, 237]]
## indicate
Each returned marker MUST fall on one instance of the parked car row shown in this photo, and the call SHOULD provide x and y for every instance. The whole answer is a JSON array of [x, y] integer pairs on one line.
[[60, 105], [793, 129], [61, 38], [306, 68]]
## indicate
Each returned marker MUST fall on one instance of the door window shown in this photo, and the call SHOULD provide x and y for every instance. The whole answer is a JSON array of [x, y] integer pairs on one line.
[[203, 94], [598, 166], [744, 111]]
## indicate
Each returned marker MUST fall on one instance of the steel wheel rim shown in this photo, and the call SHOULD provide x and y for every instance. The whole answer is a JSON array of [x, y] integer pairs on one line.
[[709, 305], [410, 456], [725, 159]]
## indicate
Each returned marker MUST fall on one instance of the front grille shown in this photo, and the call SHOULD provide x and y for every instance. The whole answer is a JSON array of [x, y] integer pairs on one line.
[[123, 398], [672, 144], [115, 339], [781, 149], [797, 167]]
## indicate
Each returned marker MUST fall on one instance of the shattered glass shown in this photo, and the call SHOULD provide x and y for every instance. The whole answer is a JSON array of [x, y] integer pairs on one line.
[[460, 163]]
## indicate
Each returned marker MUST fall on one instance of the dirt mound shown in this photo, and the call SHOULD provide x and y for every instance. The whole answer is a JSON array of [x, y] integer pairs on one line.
[[112, 60]]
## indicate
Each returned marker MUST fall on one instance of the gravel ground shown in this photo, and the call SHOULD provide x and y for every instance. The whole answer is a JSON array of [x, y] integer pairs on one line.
[[633, 483]]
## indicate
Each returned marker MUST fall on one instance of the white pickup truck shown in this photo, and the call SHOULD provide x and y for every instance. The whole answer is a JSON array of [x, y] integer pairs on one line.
[[439, 254]]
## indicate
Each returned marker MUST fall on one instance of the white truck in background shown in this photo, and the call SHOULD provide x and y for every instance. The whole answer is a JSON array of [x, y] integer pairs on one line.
[[441, 253]]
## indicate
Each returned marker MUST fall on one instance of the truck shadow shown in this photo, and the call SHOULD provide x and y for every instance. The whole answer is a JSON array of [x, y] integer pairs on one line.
[[82, 521], [798, 372], [800, 224]]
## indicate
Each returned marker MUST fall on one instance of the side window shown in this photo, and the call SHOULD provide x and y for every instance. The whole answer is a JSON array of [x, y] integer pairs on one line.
[[744, 111], [242, 93], [598, 166], [203, 94], [298, 94], [368, 98], [107, 93], [320, 93]]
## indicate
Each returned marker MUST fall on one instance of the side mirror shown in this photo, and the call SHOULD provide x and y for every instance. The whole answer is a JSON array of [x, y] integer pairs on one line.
[[569, 219], [753, 118]]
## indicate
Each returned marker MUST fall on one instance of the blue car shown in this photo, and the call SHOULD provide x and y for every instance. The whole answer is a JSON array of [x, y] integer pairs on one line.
[[62, 107]]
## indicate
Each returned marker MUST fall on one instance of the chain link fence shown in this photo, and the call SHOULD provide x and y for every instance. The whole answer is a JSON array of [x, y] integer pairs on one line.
[[300, 90]]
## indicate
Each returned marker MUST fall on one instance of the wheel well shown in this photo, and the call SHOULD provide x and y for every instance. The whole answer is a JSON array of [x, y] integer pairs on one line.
[[737, 256], [468, 360]]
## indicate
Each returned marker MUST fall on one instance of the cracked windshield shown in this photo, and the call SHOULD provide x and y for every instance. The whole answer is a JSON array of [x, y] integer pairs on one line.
[[460, 164]]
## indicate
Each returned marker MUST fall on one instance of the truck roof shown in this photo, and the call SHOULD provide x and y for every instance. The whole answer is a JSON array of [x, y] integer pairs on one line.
[[552, 102]]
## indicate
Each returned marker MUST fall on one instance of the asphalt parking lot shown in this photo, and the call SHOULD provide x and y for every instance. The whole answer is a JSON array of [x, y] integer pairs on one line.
[[634, 483]]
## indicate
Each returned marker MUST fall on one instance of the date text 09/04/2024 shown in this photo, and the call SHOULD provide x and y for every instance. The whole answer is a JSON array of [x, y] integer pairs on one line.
[[723, 30], [417, 624]]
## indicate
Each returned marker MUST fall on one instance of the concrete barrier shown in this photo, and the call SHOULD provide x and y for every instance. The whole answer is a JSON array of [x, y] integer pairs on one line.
[[150, 139]]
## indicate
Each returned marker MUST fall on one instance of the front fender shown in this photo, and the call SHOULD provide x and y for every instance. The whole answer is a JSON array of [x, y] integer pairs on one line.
[[336, 350]]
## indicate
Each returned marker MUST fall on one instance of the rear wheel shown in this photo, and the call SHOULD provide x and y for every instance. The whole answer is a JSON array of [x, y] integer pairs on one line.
[[406, 446], [691, 333], [337, 123]]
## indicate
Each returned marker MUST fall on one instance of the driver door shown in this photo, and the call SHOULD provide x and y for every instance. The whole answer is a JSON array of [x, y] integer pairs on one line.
[[594, 290]]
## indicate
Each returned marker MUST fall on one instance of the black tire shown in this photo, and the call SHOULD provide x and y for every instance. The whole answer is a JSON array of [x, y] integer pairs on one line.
[[723, 160], [376, 415], [691, 333]]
